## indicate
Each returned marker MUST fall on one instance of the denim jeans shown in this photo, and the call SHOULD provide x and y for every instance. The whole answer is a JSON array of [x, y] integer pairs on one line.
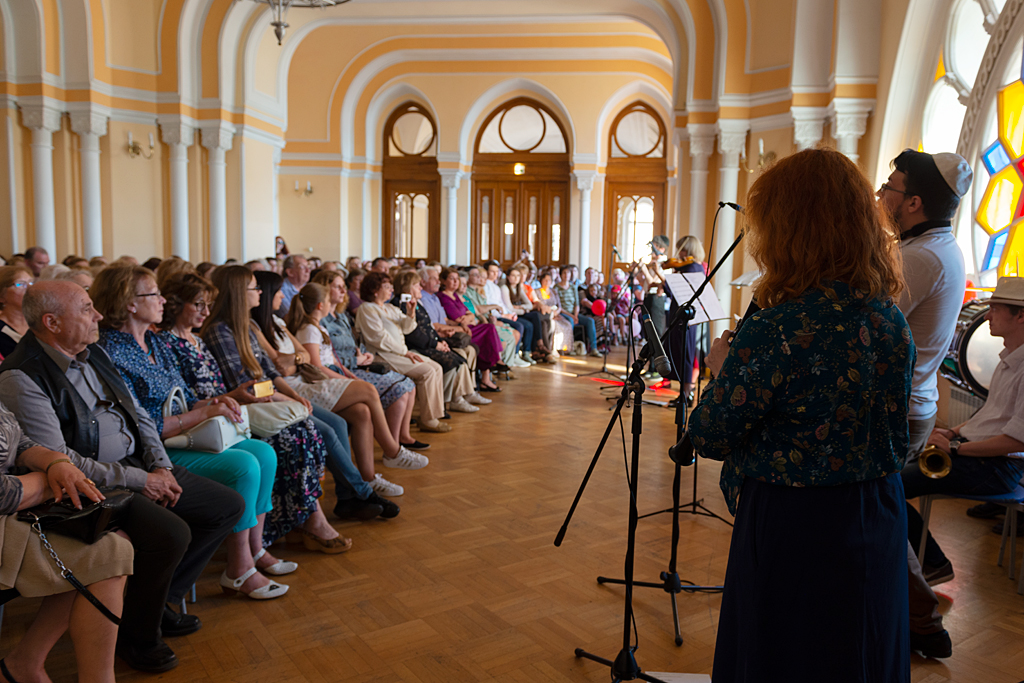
[[347, 480], [970, 476], [589, 330], [525, 328]]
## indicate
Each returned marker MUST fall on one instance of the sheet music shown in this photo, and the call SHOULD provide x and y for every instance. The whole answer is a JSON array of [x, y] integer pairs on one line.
[[682, 287]]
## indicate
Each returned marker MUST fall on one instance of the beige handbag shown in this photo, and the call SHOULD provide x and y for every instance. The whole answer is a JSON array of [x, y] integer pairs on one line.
[[214, 435], [267, 419]]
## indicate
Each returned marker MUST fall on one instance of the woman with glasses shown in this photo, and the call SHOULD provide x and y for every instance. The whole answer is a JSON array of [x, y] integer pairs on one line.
[[14, 282], [130, 303]]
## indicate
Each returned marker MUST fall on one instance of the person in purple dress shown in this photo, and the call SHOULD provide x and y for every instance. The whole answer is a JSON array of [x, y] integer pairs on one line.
[[485, 335]]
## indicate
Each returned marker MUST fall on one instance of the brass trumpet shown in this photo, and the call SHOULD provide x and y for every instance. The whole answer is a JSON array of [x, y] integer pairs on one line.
[[934, 462]]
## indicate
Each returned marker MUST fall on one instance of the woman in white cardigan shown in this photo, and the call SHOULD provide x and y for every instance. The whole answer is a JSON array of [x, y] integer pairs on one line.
[[382, 328]]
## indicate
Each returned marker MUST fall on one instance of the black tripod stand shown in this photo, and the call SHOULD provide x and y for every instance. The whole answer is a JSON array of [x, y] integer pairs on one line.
[[626, 291], [624, 667], [670, 581]]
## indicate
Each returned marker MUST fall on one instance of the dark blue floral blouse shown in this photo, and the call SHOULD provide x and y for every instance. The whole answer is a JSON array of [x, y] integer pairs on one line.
[[150, 382], [813, 392]]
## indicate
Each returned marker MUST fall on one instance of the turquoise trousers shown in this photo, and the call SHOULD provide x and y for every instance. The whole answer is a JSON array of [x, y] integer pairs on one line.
[[248, 467]]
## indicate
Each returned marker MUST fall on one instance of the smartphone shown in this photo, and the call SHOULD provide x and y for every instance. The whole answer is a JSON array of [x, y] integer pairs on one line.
[[264, 388], [405, 298]]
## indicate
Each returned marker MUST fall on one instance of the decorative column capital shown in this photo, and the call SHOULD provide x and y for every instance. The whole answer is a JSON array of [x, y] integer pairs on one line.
[[732, 141], [451, 178], [41, 116], [217, 135], [702, 139], [850, 123], [808, 125], [89, 119], [585, 180], [177, 130]]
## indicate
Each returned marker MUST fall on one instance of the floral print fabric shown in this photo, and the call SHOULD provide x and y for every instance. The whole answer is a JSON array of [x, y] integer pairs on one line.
[[813, 392]]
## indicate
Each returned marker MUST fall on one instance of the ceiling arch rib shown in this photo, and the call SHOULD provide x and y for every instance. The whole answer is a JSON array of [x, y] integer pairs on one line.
[[383, 103], [645, 92], [23, 19]]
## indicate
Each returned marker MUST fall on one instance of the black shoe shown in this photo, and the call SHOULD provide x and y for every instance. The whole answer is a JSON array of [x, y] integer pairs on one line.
[[153, 659], [447, 415], [986, 511], [936, 575], [173, 624], [388, 509], [998, 526], [353, 508], [934, 645], [417, 446]]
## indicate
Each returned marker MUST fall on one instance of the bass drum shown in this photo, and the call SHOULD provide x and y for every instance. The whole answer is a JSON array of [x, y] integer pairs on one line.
[[974, 353]]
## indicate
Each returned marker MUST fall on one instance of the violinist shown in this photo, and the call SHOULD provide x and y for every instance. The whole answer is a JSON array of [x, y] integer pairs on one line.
[[651, 276], [682, 342]]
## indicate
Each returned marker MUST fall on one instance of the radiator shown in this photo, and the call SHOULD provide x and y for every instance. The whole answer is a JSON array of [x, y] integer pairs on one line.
[[962, 405]]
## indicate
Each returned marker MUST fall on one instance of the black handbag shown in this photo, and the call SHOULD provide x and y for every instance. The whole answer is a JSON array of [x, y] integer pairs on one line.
[[86, 525]]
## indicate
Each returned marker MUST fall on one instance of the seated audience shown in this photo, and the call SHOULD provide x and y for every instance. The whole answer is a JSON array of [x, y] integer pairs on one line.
[[520, 298], [382, 328], [14, 283], [549, 302], [485, 335], [36, 258], [130, 303], [492, 291], [171, 268], [568, 298], [28, 568], [232, 341], [988, 449], [353, 282], [295, 271], [83, 278], [475, 299], [69, 397]]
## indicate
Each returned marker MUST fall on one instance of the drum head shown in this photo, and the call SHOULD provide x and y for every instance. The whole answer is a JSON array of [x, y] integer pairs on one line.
[[979, 355]]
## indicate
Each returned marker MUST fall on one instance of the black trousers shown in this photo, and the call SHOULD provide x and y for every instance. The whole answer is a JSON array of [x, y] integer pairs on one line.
[[172, 546]]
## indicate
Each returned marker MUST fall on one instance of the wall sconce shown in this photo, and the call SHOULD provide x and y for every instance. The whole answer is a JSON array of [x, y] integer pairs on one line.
[[519, 169], [304, 192], [763, 158], [135, 149]]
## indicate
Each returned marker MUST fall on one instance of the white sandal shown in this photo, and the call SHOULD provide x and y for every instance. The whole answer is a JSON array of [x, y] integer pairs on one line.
[[269, 592], [279, 568]]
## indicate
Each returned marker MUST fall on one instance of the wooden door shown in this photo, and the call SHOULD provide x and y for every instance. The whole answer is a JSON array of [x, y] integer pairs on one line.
[[510, 217], [412, 220]]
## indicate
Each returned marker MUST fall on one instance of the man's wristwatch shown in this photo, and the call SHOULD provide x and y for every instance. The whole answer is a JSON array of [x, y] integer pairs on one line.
[[154, 468], [954, 445]]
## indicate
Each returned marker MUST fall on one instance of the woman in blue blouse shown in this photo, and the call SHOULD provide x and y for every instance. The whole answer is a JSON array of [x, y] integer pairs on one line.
[[808, 412], [129, 301]]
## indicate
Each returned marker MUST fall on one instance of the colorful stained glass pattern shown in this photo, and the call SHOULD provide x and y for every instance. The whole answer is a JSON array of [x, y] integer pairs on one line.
[[1001, 209]]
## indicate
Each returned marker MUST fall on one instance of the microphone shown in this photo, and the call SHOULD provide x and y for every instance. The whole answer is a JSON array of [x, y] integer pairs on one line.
[[682, 453], [731, 205], [658, 358], [615, 250]]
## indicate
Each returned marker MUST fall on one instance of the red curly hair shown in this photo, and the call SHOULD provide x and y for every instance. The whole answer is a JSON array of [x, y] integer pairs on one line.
[[812, 217]]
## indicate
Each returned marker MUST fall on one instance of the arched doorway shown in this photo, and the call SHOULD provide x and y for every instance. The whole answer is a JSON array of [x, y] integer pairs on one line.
[[412, 186], [635, 184], [521, 185]]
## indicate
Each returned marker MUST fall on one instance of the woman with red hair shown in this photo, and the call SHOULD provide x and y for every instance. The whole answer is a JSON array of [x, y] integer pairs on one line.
[[808, 412]]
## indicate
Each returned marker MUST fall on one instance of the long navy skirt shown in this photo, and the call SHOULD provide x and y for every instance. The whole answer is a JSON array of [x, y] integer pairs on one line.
[[816, 587]]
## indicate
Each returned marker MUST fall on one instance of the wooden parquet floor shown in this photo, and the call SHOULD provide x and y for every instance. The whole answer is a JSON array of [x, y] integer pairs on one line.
[[466, 584]]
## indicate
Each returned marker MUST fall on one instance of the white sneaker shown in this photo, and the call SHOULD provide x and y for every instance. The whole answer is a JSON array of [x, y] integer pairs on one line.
[[406, 460], [518, 362], [383, 487], [476, 399], [460, 405]]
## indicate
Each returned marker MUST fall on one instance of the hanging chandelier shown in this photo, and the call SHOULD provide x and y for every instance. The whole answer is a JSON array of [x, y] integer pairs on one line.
[[280, 10]]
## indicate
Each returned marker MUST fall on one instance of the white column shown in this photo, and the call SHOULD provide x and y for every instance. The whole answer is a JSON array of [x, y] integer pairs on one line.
[[451, 178], [178, 137], [43, 121], [367, 228], [808, 126], [584, 183], [702, 146], [91, 126], [850, 123], [217, 139], [732, 140]]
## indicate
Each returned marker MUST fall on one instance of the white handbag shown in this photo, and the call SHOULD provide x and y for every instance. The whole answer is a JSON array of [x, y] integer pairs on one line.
[[267, 419], [214, 435]]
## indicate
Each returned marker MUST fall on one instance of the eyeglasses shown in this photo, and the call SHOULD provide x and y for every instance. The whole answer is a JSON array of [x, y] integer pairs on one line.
[[889, 188], [149, 294], [22, 285], [201, 305], [257, 288]]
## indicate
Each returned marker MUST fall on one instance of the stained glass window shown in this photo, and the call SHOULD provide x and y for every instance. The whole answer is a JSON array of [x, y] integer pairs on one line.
[[1001, 212]]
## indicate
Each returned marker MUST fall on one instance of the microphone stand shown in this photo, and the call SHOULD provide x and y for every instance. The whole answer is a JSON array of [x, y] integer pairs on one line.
[[626, 290], [670, 581], [625, 666]]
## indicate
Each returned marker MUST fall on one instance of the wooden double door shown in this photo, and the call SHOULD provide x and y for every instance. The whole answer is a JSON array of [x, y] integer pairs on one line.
[[510, 217]]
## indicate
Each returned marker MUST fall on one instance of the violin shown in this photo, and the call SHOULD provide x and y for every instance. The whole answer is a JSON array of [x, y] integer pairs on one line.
[[678, 262]]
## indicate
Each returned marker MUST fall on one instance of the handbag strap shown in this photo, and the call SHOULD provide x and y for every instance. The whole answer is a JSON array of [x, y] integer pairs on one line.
[[71, 578]]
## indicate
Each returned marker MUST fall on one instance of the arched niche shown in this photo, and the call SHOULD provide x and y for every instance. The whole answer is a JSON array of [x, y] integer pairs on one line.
[[520, 185], [635, 184], [411, 185]]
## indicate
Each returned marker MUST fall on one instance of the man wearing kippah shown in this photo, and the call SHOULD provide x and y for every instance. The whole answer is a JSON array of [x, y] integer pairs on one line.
[[922, 195]]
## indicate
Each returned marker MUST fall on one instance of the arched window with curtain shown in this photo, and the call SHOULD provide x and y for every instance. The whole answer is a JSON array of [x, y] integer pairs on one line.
[[521, 185], [635, 184], [412, 186]]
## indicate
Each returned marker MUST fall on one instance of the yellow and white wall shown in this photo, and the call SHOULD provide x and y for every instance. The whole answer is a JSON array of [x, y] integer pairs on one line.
[[237, 119]]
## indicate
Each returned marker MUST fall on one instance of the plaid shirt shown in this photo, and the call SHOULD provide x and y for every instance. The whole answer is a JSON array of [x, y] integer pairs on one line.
[[222, 345]]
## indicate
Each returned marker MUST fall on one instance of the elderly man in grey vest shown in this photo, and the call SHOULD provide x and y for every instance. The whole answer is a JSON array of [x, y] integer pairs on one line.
[[69, 397]]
